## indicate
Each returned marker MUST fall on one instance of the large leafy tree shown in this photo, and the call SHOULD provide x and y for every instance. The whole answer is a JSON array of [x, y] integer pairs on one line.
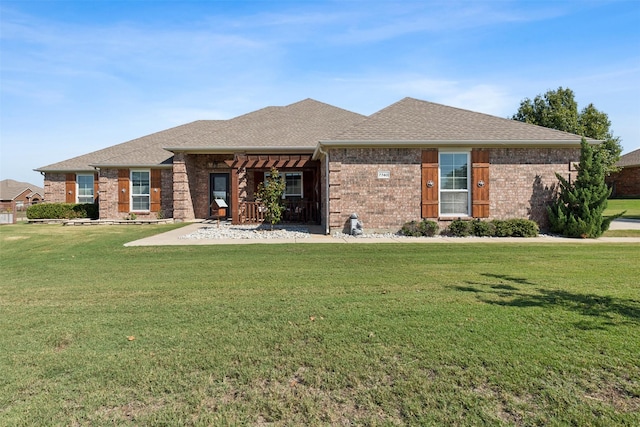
[[557, 109], [577, 209]]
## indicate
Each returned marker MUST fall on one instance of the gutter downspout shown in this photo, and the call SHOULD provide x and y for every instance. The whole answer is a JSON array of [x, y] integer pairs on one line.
[[326, 195]]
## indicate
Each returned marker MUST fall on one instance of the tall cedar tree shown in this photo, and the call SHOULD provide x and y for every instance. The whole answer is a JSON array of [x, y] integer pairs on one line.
[[577, 209], [270, 193]]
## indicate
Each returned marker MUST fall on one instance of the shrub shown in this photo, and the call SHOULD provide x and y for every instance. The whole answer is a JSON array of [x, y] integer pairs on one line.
[[523, 227], [501, 228], [482, 228], [425, 227], [428, 228], [516, 227], [62, 211], [410, 229], [460, 228]]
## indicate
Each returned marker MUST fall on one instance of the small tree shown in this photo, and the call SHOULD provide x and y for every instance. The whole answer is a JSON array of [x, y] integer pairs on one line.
[[577, 209], [270, 192]]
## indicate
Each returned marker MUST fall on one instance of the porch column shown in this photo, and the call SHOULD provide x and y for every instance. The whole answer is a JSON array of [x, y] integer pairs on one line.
[[235, 199]]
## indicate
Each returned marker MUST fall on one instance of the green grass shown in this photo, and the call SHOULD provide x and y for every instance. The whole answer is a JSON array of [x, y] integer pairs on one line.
[[621, 233], [632, 206], [380, 334]]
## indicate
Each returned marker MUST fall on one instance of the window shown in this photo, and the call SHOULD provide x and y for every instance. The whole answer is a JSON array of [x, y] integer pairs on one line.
[[140, 190], [454, 184], [293, 184], [85, 188]]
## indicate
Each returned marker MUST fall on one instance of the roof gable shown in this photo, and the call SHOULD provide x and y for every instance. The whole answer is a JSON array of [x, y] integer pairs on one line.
[[10, 189], [414, 120]]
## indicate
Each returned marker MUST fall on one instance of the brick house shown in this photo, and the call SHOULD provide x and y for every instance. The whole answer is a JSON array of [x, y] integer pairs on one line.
[[22, 193], [626, 182], [413, 159]]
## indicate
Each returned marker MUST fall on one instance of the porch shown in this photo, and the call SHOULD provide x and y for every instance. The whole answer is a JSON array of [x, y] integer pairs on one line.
[[295, 211]]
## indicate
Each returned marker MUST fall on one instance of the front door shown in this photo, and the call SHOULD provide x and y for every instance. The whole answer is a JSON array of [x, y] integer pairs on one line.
[[219, 189]]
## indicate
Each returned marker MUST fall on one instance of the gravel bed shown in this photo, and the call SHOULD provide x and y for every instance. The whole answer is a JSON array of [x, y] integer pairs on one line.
[[227, 231]]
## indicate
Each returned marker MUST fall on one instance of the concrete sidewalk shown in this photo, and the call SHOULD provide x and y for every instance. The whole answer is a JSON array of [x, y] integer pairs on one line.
[[172, 238]]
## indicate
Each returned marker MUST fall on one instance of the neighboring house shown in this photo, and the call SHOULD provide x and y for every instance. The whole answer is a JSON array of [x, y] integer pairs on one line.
[[413, 159], [626, 182], [22, 193]]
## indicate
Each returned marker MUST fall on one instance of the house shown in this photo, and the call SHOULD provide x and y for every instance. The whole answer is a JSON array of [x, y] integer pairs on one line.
[[626, 182], [17, 196], [413, 159], [22, 193]]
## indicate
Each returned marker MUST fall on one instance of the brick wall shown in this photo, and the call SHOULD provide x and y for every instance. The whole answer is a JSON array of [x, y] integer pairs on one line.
[[625, 183], [108, 194], [522, 181], [191, 183], [54, 187], [381, 203], [166, 187]]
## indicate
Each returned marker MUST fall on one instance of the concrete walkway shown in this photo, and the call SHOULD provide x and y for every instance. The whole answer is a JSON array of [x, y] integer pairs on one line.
[[172, 238]]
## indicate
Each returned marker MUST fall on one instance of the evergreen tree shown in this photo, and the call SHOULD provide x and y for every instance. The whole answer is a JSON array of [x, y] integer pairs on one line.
[[577, 209], [270, 192]]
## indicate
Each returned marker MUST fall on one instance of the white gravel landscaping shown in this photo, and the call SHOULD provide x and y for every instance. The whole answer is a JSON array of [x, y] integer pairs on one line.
[[228, 231]]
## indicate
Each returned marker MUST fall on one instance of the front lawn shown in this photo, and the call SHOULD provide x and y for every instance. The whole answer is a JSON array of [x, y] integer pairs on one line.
[[93, 333], [632, 206]]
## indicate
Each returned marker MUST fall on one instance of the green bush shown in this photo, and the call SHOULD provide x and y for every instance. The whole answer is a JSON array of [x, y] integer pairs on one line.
[[428, 228], [482, 228], [419, 228], [62, 211], [523, 228], [502, 228], [460, 228], [410, 229], [516, 227]]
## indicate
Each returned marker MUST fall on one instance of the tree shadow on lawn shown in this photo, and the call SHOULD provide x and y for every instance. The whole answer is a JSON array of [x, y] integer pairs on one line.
[[508, 291]]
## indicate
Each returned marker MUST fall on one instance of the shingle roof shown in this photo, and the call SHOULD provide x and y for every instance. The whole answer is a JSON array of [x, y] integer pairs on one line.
[[145, 151], [630, 159], [414, 120], [10, 189], [300, 125]]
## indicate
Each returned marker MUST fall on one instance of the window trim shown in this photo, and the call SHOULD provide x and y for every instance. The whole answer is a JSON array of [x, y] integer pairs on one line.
[[132, 195], [93, 183], [467, 190]]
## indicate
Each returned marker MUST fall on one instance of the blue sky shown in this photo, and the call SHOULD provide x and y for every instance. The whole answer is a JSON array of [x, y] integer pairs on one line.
[[77, 76]]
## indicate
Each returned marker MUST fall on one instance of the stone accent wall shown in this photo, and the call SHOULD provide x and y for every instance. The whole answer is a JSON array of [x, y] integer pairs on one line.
[[54, 187], [381, 203], [625, 183], [523, 181]]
